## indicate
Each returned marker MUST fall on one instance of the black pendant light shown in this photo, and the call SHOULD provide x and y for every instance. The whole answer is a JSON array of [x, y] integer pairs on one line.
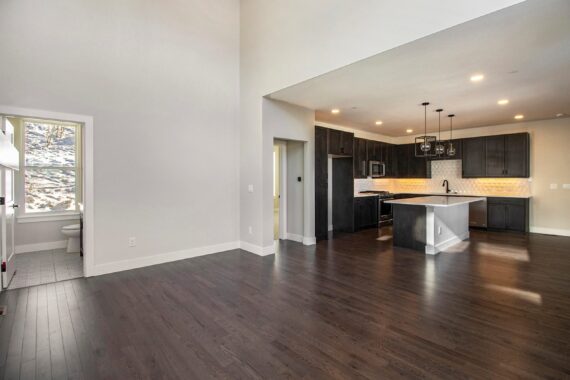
[[450, 148], [439, 147], [425, 143]]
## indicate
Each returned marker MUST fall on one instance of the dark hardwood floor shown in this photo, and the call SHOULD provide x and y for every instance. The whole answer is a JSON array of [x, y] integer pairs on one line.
[[496, 307]]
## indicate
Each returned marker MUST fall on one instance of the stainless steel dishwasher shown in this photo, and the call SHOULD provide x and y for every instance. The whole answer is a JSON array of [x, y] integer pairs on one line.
[[478, 213]]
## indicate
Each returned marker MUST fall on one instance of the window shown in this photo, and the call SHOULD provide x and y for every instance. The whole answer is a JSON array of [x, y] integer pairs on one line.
[[51, 157]]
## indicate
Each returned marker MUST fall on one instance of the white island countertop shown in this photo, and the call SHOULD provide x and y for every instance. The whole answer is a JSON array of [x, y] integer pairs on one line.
[[436, 201]]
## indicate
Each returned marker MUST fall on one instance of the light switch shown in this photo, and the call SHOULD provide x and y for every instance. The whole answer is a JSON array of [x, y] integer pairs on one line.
[[250, 188], [553, 186], [566, 186]]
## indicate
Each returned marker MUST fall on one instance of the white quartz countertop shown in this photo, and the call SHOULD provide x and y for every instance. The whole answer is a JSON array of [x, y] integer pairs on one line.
[[470, 195], [360, 195], [436, 201]]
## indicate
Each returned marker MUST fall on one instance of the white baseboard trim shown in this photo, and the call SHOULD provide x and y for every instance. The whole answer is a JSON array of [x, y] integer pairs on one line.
[[309, 240], [434, 250], [295, 237], [256, 249], [123, 265], [550, 231], [25, 248]]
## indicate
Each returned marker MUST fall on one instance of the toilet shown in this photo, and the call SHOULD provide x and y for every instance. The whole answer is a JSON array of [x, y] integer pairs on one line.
[[72, 232]]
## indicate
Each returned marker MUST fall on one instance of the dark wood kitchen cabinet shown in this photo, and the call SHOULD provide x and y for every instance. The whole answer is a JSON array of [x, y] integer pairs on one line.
[[402, 158], [473, 160], [365, 212], [494, 156], [517, 155], [340, 142], [497, 156], [360, 158], [508, 214], [410, 166], [390, 161], [374, 150], [321, 183]]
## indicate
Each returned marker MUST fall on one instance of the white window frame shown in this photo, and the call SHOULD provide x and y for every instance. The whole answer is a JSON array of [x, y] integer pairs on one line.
[[44, 216]]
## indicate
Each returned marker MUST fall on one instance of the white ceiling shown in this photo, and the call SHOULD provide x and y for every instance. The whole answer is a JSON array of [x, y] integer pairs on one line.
[[523, 51]]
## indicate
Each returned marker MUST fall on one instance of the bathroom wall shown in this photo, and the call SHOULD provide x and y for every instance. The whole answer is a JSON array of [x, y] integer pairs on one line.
[[39, 236]]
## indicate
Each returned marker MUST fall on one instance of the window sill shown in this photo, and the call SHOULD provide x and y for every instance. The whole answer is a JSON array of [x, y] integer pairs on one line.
[[48, 218]]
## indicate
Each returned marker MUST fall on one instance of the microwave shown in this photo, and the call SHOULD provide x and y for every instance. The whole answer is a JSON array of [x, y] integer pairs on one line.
[[377, 169]]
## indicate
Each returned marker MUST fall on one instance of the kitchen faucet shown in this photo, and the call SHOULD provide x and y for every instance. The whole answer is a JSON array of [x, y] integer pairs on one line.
[[446, 184]]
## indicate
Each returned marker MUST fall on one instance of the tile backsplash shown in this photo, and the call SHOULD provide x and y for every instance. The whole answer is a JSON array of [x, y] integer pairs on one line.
[[450, 170]]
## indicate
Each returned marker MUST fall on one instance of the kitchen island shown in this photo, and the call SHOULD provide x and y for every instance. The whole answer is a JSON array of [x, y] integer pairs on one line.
[[431, 224]]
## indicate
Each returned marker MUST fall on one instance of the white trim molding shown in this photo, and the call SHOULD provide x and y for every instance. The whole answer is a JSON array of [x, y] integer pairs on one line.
[[550, 231], [25, 248], [309, 240], [119, 266], [295, 237], [88, 180], [256, 249], [47, 218]]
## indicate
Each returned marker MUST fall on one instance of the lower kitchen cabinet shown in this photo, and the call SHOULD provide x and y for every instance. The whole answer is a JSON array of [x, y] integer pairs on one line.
[[365, 212], [508, 214]]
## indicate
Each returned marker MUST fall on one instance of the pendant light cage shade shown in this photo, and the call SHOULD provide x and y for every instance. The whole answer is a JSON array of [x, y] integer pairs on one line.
[[424, 146]]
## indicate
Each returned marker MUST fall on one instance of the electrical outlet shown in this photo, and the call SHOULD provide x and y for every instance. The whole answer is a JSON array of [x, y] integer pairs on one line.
[[132, 242], [250, 188], [566, 186], [250, 229], [553, 186]]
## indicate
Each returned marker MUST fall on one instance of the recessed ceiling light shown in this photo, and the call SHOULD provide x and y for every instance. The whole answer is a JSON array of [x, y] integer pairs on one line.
[[477, 77], [519, 117], [335, 111], [409, 130], [379, 122], [502, 102]]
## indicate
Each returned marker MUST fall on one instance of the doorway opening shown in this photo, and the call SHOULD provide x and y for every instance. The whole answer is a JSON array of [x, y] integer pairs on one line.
[[288, 190], [42, 219]]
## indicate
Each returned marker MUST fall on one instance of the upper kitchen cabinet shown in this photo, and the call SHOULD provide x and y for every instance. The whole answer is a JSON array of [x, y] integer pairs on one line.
[[473, 150], [374, 150], [390, 160], [497, 156], [508, 155], [360, 158], [410, 166], [517, 155], [340, 142]]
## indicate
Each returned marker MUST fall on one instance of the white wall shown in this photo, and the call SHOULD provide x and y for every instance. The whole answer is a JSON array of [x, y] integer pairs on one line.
[[161, 80], [286, 42], [295, 189], [30, 237]]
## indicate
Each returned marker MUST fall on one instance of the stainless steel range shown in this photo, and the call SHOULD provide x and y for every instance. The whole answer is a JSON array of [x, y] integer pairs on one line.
[[384, 209]]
